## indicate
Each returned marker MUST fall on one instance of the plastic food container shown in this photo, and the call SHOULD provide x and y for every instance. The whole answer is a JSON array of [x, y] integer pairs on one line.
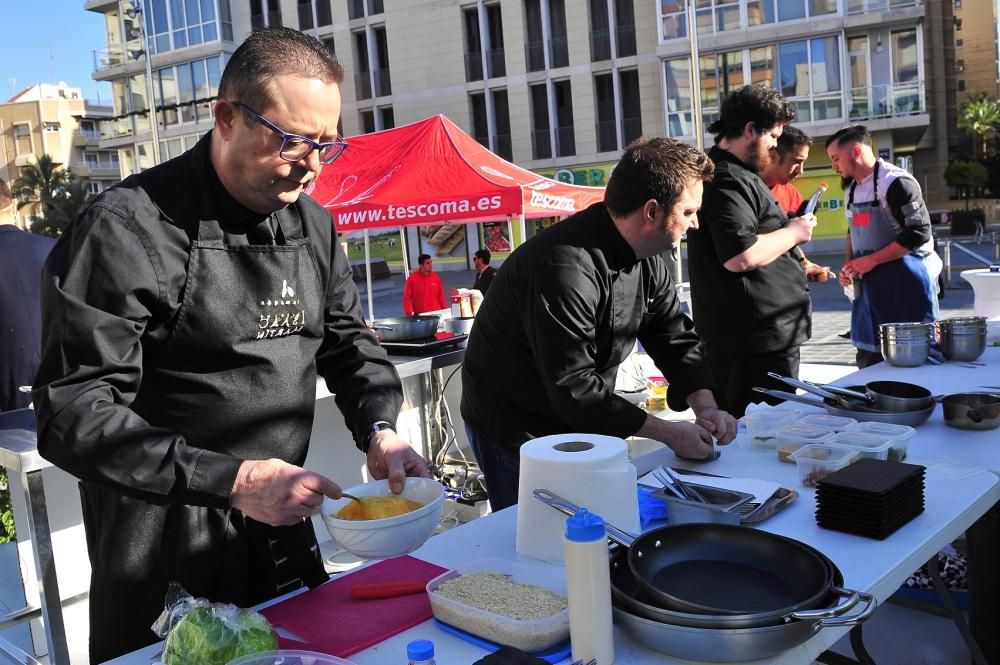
[[762, 423], [529, 635], [790, 438], [834, 423], [289, 657], [816, 461], [867, 445], [900, 436]]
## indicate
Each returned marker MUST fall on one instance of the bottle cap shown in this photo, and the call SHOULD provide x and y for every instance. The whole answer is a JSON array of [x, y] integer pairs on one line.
[[585, 527], [420, 650]]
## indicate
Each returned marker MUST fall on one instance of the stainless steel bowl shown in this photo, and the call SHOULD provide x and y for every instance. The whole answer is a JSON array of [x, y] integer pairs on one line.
[[905, 354], [962, 345], [907, 331]]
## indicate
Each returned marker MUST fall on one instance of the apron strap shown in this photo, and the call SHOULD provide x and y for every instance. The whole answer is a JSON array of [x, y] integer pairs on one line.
[[850, 193]]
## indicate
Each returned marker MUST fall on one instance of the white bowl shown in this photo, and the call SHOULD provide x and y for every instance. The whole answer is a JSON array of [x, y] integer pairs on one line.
[[392, 536]]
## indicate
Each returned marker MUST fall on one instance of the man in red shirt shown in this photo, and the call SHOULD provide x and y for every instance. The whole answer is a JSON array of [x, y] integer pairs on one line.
[[787, 162], [423, 291]]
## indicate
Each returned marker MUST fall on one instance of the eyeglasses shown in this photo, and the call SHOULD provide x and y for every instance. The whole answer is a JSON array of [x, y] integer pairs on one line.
[[295, 148]]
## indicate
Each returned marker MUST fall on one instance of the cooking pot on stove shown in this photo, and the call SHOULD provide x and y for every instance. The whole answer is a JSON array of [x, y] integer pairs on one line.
[[405, 328]]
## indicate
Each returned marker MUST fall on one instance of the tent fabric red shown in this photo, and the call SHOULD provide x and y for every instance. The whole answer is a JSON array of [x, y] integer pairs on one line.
[[431, 171]]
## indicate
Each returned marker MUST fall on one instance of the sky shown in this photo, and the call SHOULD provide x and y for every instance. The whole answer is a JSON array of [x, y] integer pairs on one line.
[[47, 41]]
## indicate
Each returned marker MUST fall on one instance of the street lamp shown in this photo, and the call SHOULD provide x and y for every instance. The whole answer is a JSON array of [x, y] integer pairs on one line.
[[135, 11]]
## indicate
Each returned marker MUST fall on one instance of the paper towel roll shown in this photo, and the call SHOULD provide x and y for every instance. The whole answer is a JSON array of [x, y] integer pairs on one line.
[[589, 470]]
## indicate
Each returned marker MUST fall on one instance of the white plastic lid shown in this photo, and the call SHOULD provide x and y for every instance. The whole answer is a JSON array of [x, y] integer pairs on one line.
[[820, 452], [890, 430], [835, 423], [804, 433], [868, 442], [769, 415]]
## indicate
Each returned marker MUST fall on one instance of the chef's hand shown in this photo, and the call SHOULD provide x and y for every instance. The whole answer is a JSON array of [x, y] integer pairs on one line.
[[844, 279], [710, 417], [391, 457], [802, 227], [278, 493], [860, 266], [684, 438]]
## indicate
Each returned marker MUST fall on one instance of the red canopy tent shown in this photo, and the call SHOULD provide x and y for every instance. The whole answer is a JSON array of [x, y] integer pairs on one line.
[[431, 171]]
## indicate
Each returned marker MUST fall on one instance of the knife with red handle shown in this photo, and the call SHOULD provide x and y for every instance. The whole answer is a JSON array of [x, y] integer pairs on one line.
[[386, 590]]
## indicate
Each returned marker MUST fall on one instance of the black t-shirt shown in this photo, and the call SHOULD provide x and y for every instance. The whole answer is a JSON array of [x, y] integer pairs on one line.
[[756, 311]]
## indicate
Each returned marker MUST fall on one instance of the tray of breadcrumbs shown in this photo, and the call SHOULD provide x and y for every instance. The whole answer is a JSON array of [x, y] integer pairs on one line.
[[502, 602]]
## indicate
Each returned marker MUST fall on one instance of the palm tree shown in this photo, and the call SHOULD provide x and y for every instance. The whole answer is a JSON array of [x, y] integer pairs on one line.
[[39, 181], [981, 116], [61, 207]]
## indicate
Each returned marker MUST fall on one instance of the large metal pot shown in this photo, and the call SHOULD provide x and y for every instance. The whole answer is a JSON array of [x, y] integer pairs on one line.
[[405, 328], [911, 418], [974, 411], [729, 645], [720, 569]]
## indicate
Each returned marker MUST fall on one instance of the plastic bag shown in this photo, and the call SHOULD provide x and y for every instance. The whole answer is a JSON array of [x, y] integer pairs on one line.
[[200, 632]]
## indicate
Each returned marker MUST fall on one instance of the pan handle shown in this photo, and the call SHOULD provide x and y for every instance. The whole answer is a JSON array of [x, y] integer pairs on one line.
[[791, 397], [839, 622], [837, 390], [380, 327], [852, 597], [804, 385], [567, 508]]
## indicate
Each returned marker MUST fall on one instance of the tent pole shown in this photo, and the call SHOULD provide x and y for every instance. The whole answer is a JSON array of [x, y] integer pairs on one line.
[[522, 227], [406, 260], [368, 277]]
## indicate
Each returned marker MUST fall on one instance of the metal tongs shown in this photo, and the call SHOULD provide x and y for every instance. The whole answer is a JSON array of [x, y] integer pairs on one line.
[[678, 486]]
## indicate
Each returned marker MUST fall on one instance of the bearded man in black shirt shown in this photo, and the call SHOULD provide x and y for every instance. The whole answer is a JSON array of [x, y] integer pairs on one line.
[[568, 307], [748, 286]]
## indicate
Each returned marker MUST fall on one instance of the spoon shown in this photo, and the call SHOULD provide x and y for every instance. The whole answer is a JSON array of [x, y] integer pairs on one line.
[[345, 495]]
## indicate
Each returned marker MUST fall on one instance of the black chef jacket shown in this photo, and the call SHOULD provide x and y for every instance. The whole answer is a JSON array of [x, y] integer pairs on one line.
[[758, 311], [560, 317]]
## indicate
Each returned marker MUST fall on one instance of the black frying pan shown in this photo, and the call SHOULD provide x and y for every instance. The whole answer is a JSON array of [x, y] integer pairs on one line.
[[627, 594], [720, 568]]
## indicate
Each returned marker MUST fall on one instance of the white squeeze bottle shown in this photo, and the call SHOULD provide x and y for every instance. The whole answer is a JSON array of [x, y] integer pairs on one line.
[[588, 586]]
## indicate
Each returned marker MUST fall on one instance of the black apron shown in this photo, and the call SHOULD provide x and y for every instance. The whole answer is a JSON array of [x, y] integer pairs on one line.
[[237, 375], [900, 290]]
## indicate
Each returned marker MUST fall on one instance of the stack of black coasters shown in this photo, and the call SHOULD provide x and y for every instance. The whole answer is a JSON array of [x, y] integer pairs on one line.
[[870, 497]]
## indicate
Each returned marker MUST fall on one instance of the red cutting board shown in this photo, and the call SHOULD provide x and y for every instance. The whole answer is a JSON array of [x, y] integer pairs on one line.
[[332, 622]]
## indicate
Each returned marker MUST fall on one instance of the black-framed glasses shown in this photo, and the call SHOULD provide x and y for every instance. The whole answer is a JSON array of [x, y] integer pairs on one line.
[[294, 147]]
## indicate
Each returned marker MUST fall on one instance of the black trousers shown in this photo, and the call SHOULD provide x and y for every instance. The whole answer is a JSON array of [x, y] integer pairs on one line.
[[737, 375], [867, 358]]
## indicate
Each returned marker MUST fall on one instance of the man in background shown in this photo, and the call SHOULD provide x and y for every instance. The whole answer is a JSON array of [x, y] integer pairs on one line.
[[423, 291], [891, 261], [748, 289], [22, 255], [484, 271], [567, 310], [788, 160]]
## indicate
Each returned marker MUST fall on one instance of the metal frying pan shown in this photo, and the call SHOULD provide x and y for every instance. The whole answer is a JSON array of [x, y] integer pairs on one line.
[[892, 396], [911, 418], [405, 328], [720, 569], [858, 401]]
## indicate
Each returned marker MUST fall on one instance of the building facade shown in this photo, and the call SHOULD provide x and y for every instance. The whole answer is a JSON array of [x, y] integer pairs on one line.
[[561, 86], [55, 120]]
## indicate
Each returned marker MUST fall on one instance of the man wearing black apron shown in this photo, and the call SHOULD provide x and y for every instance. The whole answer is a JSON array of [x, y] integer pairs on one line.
[[891, 262], [186, 315]]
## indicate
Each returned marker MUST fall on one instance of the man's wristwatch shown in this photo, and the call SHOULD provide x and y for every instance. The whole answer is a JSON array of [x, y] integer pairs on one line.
[[375, 428]]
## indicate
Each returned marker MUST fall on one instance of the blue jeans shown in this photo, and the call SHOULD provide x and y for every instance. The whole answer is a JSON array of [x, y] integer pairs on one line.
[[499, 458]]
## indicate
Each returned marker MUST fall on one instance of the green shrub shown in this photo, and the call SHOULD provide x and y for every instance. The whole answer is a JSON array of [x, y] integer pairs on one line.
[[963, 222], [7, 533]]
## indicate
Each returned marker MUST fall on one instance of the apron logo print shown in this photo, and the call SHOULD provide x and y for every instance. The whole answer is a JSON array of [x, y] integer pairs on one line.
[[286, 321]]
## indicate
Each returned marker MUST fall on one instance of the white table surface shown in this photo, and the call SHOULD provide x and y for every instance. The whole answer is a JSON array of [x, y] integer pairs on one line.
[[956, 495]]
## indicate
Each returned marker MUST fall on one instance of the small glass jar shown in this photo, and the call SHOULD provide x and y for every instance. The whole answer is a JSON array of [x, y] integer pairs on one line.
[[657, 385]]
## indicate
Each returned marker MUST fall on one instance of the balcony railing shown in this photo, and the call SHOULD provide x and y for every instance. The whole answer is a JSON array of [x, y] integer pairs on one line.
[[565, 142], [362, 86], [607, 137], [495, 64], [541, 144], [383, 82], [558, 52], [886, 101], [503, 146], [355, 8], [865, 6], [631, 130], [600, 45], [534, 55], [474, 66], [106, 58], [626, 40]]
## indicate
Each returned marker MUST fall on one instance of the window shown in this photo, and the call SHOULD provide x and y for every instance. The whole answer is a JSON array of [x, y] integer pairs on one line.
[[328, 43], [480, 122], [680, 121], [958, 24], [367, 122], [625, 28], [959, 43], [810, 77], [960, 65], [600, 31], [21, 131], [305, 15], [264, 13], [383, 84], [565, 140], [387, 117], [720, 74], [324, 15], [473, 46], [179, 87], [907, 96], [961, 85], [362, 77], [604, 102], [495, 63], [52, 127], [559, 46], [534, 44], [628, 85], [501, 119], [541, 143]]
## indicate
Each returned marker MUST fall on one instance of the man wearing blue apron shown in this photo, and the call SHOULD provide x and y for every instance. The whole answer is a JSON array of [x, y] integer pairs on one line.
[[891, 261], [187, 313]]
